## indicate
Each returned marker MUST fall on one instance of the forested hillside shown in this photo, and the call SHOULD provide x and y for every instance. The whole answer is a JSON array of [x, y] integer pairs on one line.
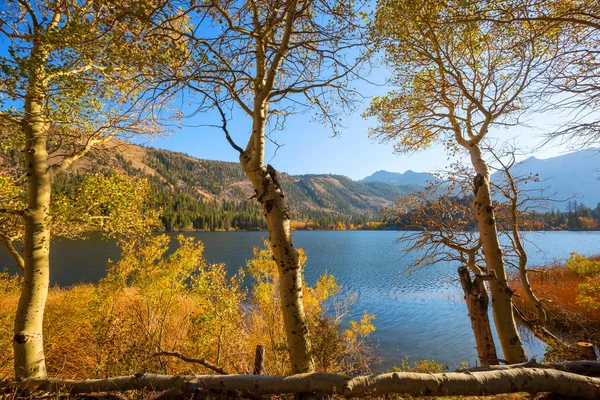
[[215, 195], [195, 194]]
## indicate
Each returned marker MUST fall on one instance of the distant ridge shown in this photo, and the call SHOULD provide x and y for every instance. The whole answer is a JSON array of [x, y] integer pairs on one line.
[[214, 195], [205, 194], [574, 176], [409, 178]]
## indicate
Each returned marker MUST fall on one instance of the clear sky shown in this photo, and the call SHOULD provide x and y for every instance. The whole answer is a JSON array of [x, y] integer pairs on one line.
[[309, 147]]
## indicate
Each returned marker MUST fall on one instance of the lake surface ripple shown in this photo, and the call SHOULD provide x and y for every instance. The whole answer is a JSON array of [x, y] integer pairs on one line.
[[419, 315]]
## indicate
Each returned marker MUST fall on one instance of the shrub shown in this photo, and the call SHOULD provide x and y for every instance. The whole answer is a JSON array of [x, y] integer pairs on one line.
[[332, 351], [588, 291], [561, 290], [421, 366], [583, 266], [153, 300]]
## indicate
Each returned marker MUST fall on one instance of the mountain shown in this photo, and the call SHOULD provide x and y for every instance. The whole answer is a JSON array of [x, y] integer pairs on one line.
[[573, 176], [206, 194], [213, 195], [408, 178]]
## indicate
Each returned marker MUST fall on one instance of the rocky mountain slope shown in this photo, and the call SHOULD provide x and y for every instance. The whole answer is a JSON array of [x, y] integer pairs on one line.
[[199, 194], [398, 178], [572, 176]]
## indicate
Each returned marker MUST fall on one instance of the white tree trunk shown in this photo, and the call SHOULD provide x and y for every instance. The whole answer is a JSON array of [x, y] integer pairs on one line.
[[477, 301], [277, 216], [502, 308], [272, 199], [520, 249], [28, 343]]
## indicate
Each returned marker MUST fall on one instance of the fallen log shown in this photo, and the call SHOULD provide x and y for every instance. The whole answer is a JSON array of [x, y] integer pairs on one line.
[[485, 383], [467, 383], [531, 363], [581, 367], [584, 367]]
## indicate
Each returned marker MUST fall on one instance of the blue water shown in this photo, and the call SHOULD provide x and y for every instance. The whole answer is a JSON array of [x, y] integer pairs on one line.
[[419, 315]]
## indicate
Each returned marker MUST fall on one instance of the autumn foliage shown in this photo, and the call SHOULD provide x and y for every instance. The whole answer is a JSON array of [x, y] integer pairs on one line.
[[156, 298], [570, 293]]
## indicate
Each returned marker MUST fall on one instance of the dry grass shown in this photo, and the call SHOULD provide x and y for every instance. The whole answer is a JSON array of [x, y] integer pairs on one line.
[[153, 302], [67, 330], [557, 287], [87, 337]]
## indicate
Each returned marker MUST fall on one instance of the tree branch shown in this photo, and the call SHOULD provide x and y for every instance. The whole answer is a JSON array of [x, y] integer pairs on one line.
[[216, 103], [75, 71], [13, 251], [67, 161], [12, 211], [226, 131], [10, 118], [200, 361], [281, 52]]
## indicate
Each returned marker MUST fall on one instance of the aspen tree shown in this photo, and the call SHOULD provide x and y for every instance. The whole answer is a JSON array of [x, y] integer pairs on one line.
[[73, 77], [570, 87], [268, 60], [455, 81]]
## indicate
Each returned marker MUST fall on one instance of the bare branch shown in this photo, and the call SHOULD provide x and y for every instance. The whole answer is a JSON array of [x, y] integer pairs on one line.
[[13, 212], [200, 361], [10, 246]]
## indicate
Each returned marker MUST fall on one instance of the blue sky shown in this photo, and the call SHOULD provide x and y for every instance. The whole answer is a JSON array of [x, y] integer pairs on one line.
[[309, 147]]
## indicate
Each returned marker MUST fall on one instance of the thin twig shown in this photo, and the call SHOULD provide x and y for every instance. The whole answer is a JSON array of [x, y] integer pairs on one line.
[[223, 117], [200, 361], [12, 211], [276, 144], [224, 128]]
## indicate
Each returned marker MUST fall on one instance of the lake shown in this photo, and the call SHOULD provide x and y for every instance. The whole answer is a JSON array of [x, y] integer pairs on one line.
[[420, 316]]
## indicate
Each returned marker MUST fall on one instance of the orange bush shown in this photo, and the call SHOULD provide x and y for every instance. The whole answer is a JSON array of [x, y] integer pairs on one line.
[[558, 287], [153, 301]]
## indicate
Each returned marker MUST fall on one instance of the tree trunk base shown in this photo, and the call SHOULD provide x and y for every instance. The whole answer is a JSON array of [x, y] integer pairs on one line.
[[477, 301]]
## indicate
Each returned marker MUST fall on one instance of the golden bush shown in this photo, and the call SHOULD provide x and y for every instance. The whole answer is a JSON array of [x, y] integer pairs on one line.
[[154, 299]]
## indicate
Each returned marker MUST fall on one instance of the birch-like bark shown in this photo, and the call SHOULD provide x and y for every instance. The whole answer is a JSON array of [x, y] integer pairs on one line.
[[522, 254], [12, 250], [541, 332], [477, 304], [502, 307], [272, 199], [524, 277], [28, 346], [269, 193]]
